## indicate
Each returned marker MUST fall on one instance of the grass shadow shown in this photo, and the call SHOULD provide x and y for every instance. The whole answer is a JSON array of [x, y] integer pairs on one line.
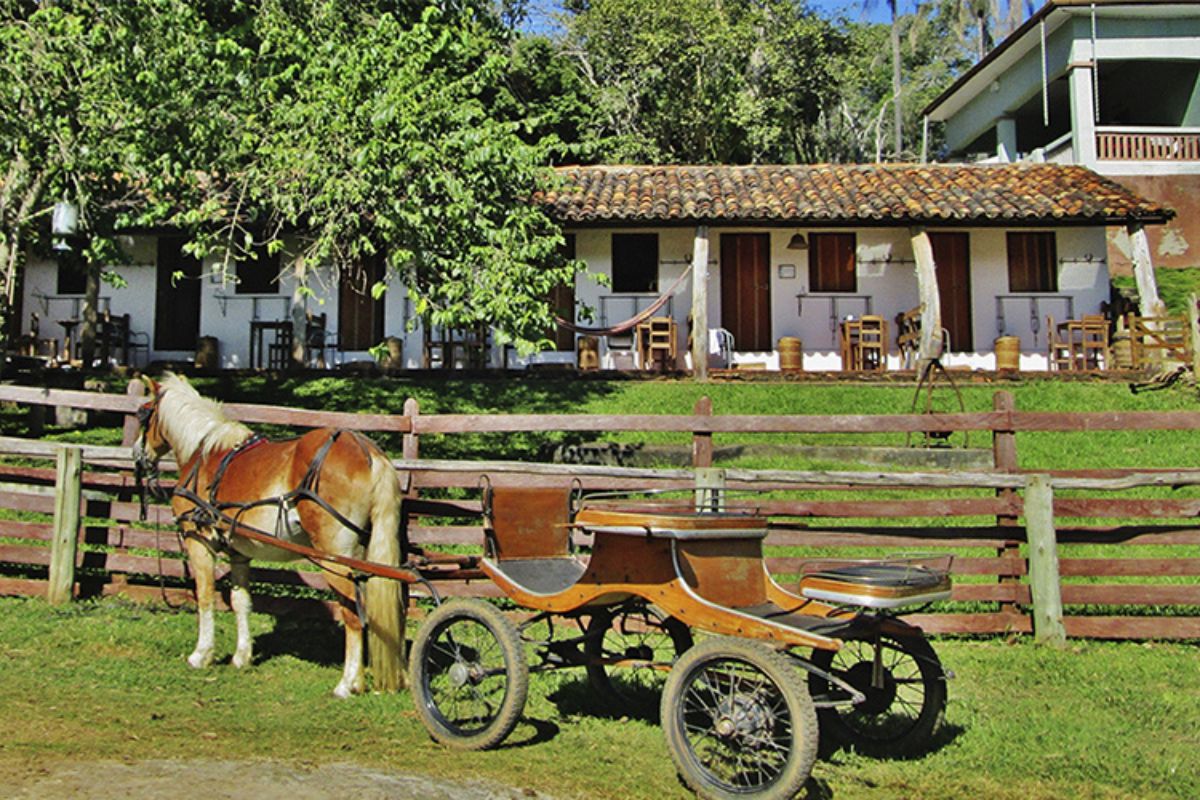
[[318, 641]]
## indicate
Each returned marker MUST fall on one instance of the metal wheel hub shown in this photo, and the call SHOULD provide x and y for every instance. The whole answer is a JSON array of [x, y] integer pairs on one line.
[[743, 717], [460, 674], [640, 652], [878, 699]]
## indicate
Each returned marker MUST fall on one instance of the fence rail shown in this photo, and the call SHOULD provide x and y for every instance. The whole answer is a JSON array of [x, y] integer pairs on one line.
[[1010, 577]]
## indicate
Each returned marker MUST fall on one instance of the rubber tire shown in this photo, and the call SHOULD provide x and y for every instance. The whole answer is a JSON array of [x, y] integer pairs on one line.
[[610, 692], [515, 675], [784, 679], [845, 724]]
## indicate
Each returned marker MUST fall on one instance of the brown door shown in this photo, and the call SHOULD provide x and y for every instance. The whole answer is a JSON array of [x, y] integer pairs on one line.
[[746, 289], [952, 255], [177, 296], [360, 316]]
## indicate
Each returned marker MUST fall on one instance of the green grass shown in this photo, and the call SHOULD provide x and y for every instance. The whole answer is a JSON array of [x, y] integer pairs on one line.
[[108, 681], [1174, 286]]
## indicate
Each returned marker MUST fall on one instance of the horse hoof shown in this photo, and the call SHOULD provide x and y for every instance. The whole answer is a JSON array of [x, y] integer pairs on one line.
[[199, 660], [342, 693], [242, 660]]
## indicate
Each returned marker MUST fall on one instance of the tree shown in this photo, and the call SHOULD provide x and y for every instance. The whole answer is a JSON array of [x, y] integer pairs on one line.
[[352, 128], [700, 82]]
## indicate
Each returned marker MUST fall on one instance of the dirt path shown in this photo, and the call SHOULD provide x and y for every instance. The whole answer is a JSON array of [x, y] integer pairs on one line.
[[262, 780]]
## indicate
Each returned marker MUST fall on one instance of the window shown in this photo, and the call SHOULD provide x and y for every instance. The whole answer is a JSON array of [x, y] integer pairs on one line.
[[635, 262], [1032, 262], [831, 262], [258, 275], [71, 277]]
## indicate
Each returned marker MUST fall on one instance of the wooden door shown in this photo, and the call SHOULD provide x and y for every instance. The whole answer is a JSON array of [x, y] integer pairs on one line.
[[360, 316], [952, 255], [746, 289], [176, 296]]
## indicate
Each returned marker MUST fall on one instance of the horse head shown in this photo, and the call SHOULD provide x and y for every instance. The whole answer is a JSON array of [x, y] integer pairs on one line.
[[151, 445]]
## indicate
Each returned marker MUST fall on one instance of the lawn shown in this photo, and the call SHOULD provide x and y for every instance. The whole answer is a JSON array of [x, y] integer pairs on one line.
[[108, 681]]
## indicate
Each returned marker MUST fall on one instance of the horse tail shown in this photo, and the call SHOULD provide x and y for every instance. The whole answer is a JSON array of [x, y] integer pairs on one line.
[[386, 615]]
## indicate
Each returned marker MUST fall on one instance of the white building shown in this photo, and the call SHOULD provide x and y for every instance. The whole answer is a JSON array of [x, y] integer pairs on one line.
[[792, 251]]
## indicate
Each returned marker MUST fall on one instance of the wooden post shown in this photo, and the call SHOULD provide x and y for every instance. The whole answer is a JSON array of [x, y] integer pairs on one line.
[[1043, 561], [135, 388], [68, 489], [702, 441], [1004, 459], [700, 303], [710, 483], [1149, 305], [930, 346], [1194, 331]]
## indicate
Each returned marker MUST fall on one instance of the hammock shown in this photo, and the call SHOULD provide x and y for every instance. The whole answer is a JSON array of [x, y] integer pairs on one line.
[[632, 322]]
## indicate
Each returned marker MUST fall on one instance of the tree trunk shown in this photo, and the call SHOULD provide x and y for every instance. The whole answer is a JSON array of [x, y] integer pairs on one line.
[[91, 314], [897, 105]]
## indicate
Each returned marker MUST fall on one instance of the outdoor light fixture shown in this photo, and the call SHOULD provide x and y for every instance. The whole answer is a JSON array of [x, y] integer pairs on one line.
[[64, 222], [798, 242]]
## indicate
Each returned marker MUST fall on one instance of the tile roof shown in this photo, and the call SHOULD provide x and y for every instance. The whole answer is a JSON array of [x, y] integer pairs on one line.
[[860, 194]]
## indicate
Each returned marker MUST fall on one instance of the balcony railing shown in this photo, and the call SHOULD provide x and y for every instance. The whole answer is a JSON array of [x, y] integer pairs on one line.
[[1127, 144]]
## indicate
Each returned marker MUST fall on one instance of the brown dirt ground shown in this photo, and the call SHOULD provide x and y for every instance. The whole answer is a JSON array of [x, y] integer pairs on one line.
[[262, 780]]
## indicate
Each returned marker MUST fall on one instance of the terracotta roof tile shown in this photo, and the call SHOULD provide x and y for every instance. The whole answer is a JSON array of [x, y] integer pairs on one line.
[[871, 194]]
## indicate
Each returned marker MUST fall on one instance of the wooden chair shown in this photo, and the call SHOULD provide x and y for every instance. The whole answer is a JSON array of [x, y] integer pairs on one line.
[[1060, 350], [1094, 341], [872, 344], [656, 342]]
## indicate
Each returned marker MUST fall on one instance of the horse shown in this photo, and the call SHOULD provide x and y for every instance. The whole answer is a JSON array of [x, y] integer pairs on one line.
[[326, 490]]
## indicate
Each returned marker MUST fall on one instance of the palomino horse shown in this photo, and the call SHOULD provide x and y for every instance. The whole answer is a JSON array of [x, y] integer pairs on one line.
[[322, 490]]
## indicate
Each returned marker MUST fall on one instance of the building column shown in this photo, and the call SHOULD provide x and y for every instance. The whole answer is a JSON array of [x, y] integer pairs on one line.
[[1149, 305], [1083, 115], [1006, 139], [930, 346], [700, 303]]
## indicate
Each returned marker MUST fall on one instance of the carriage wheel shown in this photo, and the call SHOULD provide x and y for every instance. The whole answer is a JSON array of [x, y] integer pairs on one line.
[[899, 715], [739, 721], [469, 676], [635, 633]]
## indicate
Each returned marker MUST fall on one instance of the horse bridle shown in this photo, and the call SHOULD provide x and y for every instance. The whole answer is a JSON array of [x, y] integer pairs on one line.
[[145, 469]]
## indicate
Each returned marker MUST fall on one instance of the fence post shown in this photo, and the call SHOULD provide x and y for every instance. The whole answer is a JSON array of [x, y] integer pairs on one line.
[[135, 388], [1004, 459], [702, 442], [1043, 561], [710, 483], [68, 489]]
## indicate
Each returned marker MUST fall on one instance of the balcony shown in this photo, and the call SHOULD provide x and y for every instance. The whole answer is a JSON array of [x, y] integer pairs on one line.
[[1148, 144]]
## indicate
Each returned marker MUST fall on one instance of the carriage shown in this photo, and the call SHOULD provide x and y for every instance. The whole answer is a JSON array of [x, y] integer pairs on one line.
[[741, 707]]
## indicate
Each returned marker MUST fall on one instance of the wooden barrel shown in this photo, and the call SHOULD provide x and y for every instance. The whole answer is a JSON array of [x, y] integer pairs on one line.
[[587, 352], [791, 356], [1008, 353]]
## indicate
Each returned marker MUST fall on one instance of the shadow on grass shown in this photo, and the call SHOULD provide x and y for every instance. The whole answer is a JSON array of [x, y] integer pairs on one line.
[[319, 641], [945, 734], [579, 697], [543, 730]]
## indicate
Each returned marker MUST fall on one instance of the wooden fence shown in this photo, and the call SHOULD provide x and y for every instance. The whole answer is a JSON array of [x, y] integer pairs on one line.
[[1025, 548]]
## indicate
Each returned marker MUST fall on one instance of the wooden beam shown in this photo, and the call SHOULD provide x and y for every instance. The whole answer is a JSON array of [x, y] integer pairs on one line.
[[700, 303], [67, 490], [930, 345], [1043, 561], [1149, 304]]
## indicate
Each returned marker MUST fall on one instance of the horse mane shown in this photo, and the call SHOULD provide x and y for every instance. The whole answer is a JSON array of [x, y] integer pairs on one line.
[[195, 424]]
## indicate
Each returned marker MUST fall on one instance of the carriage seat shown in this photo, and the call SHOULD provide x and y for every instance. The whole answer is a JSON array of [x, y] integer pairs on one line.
[[878, 584], [527, 537]]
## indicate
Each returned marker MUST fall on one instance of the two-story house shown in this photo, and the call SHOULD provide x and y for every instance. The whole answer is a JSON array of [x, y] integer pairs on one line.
[[1113, 85]]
